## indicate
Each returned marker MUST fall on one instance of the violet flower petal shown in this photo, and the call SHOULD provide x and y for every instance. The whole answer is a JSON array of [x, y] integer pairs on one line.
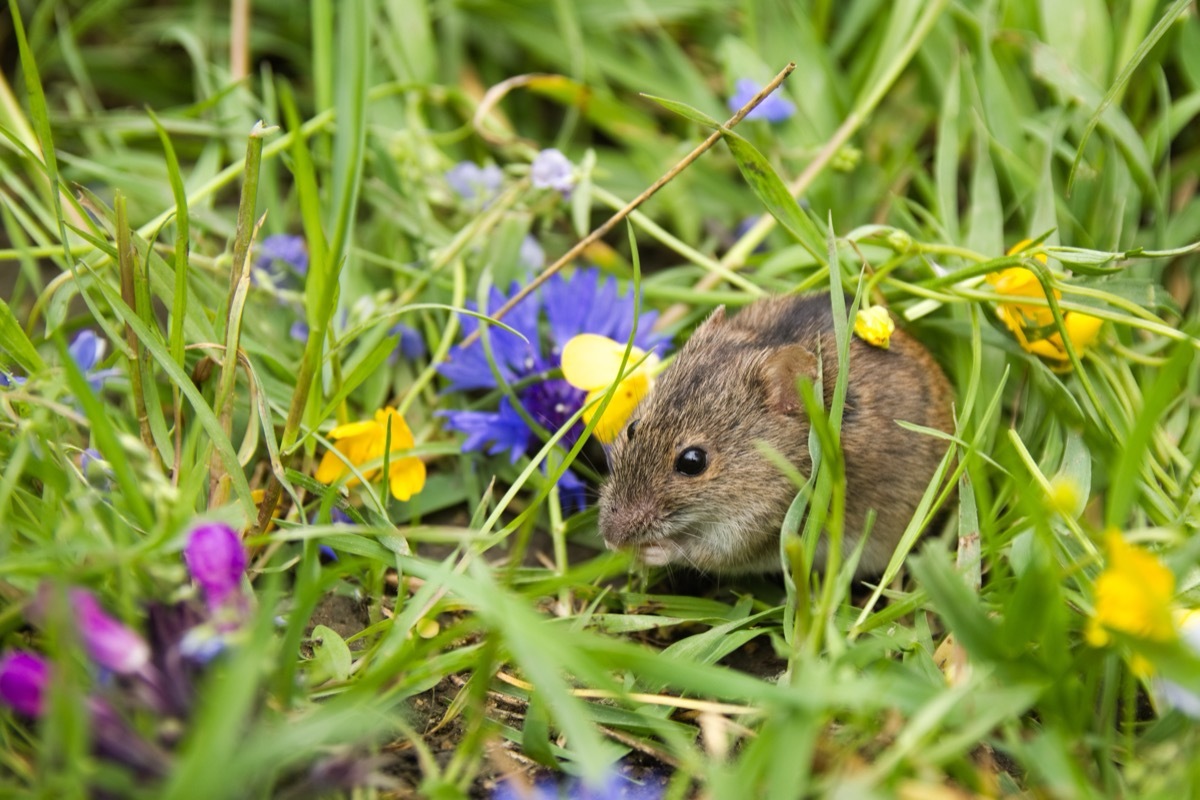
[[23, 680], [773, 108], [217, 561], [110, 643], [552, 170]]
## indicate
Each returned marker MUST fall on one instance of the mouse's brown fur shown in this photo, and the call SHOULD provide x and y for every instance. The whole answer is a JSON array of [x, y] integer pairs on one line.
[[732, 386]]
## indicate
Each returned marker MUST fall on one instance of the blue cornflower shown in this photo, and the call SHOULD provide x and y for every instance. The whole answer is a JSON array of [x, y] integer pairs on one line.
[[87, 350], [475, 183], [283, 257], [773, 108], [587, 302], [552, 170]]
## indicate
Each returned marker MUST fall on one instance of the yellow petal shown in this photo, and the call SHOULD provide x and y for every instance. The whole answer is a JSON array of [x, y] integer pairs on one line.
[[624, 400], [402, 437], [1016, 280], [330, 468], [1047, 348], [1134, 593], [874, 326], [406, 478], [591, 361], [1020, 247], [352, 429], [1082, 328]]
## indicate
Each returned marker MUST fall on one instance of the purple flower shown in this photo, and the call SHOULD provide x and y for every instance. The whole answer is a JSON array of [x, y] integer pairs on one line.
[[114, 740], [202, 644], [217, 560], [532, 256], [87, 350], [552, 170], [572, 491], [548, 401], [23, 680], [8, 380], [412, 343], [283, 258], [773, 108], [110, 643], [614, 786], [474, 183], [299, 331]]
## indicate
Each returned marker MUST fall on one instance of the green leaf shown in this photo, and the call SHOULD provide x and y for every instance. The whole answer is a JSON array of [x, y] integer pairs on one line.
[[1125, 482], [774, 194], [1114, 91], [14, 341], [685, 111], [331, 655]]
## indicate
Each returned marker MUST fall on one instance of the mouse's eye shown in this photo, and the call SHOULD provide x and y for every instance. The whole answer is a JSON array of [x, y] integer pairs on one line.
[[629, 430], [691, 462]]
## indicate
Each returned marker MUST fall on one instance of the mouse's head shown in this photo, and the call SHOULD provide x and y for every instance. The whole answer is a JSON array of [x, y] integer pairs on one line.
[[690, 483]]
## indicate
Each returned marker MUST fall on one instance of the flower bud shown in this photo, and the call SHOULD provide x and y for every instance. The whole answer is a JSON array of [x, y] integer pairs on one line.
[[23, 680], [110, 643], [217, 561]]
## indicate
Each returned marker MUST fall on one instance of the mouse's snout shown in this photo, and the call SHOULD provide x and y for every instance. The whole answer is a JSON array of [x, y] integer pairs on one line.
[[626, 524]]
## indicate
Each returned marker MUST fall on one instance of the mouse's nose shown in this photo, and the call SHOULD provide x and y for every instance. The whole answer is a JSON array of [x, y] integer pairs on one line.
[[628, 523]]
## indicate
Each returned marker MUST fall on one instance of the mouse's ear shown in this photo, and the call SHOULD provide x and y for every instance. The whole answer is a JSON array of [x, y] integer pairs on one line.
[[707, 328], [781, 370]]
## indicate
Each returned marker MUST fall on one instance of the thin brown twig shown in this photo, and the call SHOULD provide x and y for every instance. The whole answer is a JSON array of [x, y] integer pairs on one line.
[[625, 211], [239, 39]]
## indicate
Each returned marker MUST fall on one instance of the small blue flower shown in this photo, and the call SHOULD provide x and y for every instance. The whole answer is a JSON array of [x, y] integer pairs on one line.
[[412, 343], [95, 469], [773, 108], [299, 331], [337, 517], [8, 380], [587, 302], [532, 256], [474, 183], [202, 644], [552, 170], [87, 350], [283, 257], [613, 787], [744, 227]]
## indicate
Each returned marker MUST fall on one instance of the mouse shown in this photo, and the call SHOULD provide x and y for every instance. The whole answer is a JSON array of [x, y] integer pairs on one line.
[[689, 484]]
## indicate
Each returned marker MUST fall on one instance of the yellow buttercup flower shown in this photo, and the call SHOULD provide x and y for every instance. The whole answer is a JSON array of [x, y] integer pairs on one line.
[[592, 362], [363, 442], [874, 326], [1033, 325], [1133, 595]]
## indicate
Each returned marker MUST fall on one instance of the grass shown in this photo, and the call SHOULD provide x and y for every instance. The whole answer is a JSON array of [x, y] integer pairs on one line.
[[480, 630]]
